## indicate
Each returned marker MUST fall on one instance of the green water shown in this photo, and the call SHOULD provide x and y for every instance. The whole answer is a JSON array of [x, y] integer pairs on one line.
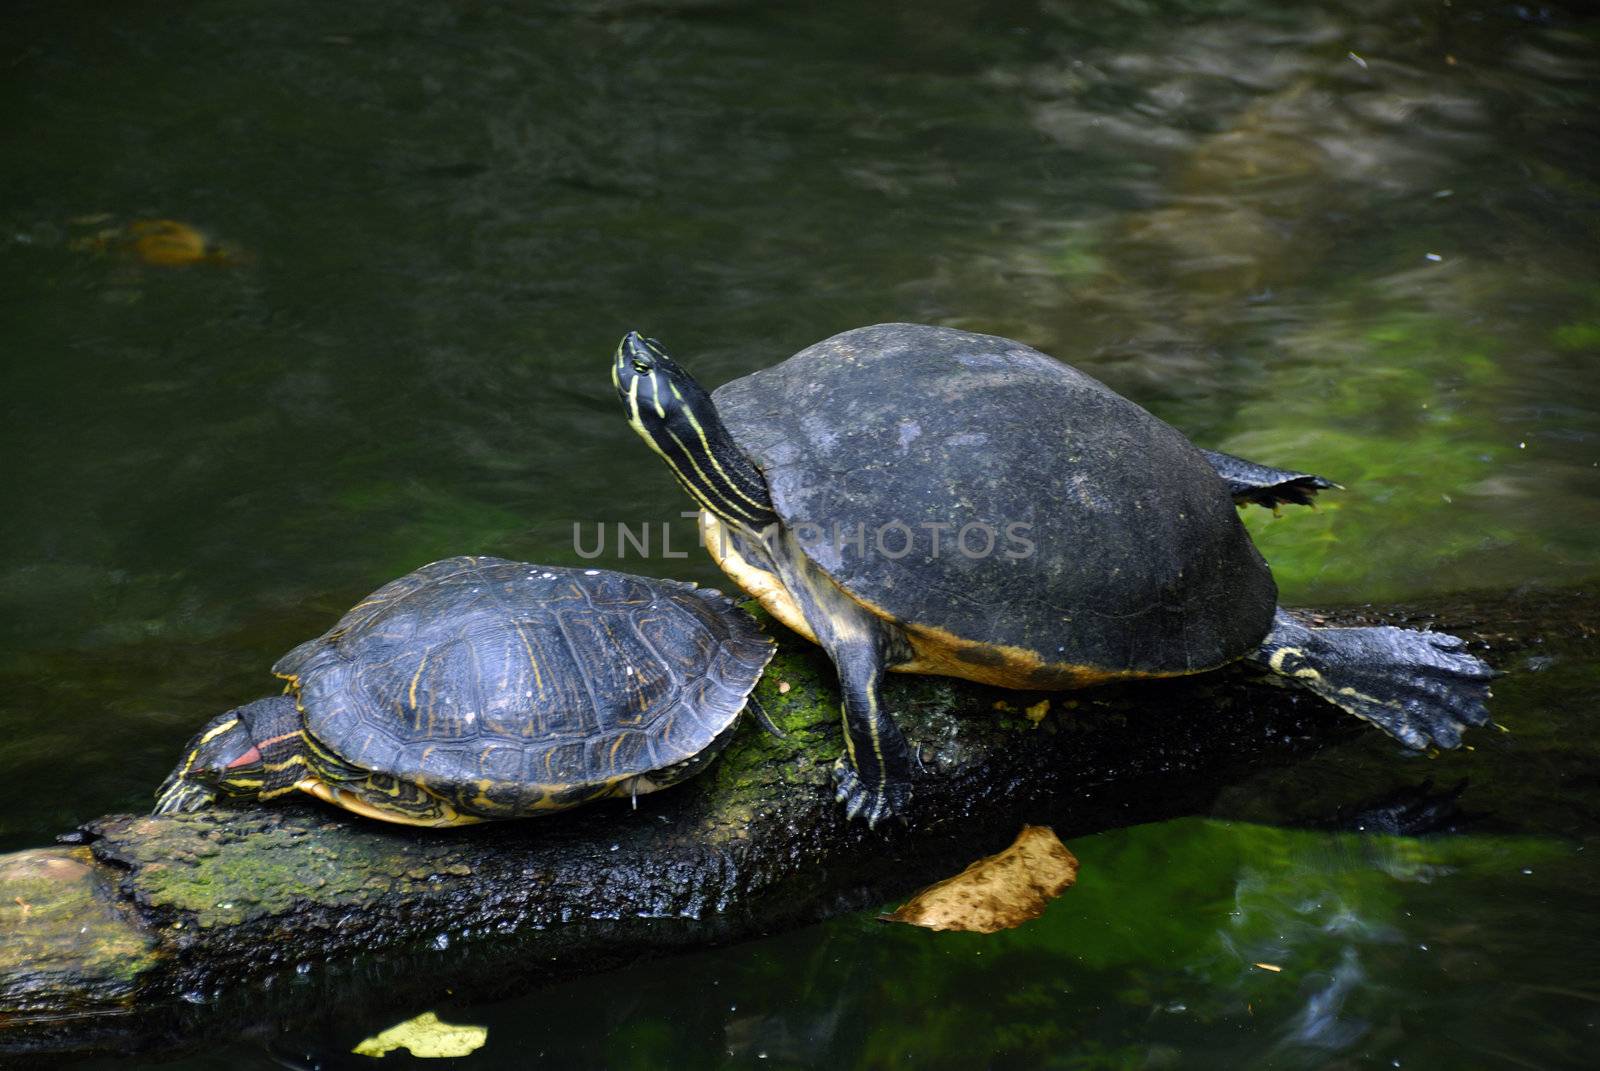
[[1357, 238]]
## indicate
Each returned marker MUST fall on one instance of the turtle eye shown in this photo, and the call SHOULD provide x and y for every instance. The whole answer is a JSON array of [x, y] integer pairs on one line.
[[642, 367]]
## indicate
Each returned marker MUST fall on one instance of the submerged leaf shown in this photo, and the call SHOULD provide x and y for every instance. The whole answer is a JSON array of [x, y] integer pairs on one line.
[[1000, 891], [168, 243], [425, 1036], [164, 243]]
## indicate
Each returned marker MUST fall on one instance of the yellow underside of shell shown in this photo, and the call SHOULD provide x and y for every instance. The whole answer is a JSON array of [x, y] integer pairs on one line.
[[934, 650], [449, 815], [343, 797]]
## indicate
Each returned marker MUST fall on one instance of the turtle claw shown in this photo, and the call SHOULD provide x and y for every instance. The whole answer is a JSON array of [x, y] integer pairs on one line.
[[854, 806], [874, 803]]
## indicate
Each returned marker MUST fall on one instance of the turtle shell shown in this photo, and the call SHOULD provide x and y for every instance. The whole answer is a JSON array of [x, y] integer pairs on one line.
[[1003, 506], [507, 688]]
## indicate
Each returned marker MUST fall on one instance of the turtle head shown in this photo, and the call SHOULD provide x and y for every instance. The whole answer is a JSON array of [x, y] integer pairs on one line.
[[662, 400], [226, 759], [676, 417]]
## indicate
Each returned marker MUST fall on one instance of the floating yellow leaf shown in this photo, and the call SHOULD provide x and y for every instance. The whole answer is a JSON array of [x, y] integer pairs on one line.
[[425, 1036], [1037, 712], [998, 892]]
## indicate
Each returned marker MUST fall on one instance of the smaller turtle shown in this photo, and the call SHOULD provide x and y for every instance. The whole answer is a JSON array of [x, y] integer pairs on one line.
[[479, 688]]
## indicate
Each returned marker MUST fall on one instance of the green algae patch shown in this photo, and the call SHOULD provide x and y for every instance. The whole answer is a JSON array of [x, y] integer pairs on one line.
[[202, 871], [801, 697], [1395, 403], [801, 692], [1580, 336], [66, 939], [801, 700]]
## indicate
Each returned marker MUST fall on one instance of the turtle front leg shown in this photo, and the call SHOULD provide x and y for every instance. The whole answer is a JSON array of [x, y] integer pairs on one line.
[[873, 777]]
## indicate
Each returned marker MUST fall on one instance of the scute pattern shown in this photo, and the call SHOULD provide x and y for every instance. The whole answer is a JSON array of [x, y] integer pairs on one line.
[[507, 688], [1135, 563]]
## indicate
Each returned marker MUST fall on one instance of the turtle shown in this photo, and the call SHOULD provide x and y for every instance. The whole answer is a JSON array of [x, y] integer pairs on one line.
[[921, 499], [477, 688]]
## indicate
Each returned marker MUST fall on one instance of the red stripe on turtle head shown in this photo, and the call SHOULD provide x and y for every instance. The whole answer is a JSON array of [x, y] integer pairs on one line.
[[248, 758]]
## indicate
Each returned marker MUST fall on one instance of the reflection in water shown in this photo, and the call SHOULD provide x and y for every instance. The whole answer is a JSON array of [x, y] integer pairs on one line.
[[787, 1037], [1387, 948], [1319, 1024], [1289, 920]]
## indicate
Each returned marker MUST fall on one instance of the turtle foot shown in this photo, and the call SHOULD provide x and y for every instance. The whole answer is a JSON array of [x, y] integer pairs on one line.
[[1422, 688], [872, 802]]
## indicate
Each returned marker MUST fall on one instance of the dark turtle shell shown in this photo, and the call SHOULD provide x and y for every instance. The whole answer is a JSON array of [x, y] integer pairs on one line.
[[507, 687], [1096, 537]]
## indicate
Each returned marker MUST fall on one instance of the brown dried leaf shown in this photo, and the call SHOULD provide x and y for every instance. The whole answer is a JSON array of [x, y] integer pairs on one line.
[[998, 892]]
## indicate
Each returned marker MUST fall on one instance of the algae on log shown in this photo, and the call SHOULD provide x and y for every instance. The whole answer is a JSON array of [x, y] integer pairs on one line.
[[169, 928]]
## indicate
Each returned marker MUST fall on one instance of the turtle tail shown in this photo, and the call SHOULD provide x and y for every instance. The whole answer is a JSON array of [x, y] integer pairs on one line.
[[1265, 486], [1422, 688]]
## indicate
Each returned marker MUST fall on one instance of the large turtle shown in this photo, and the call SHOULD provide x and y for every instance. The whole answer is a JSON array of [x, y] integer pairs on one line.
[[478, 688], [926, 500]]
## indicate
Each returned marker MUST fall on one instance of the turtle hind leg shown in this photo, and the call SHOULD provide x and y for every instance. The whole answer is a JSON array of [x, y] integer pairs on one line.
[[1249, 482], [1422, 688]]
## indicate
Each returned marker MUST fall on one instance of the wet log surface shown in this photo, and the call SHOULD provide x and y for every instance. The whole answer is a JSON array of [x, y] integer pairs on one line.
[[159, 932]]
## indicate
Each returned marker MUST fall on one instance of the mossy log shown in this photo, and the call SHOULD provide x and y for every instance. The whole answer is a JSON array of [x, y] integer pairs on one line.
[[153, 929]]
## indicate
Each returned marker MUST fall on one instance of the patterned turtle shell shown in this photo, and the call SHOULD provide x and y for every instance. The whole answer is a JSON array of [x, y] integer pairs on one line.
[[1082, 536], [504, 689]]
